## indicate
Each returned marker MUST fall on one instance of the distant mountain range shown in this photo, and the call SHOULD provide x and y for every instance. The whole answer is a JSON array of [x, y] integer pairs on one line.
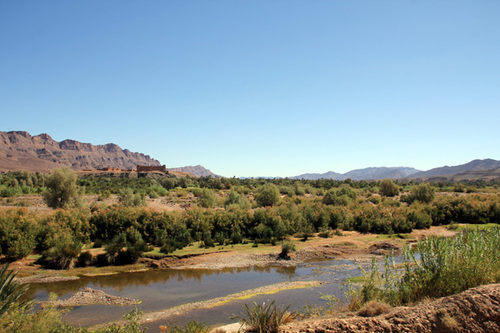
[[486, 169], [21, 151], [362, 174]]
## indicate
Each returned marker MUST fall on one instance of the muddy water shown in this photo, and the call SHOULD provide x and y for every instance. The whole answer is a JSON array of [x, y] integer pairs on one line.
[[162, 289]]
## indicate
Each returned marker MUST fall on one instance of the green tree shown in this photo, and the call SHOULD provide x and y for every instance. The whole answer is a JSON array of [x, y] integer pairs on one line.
[[62, 190], [268, 195], [388, 188]]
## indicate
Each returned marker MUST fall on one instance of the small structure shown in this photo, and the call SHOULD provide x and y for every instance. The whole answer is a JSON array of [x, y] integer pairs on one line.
[[151, 168], [110, 169]]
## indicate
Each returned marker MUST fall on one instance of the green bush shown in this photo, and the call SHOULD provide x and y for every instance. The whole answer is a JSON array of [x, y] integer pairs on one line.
[[286, 248]]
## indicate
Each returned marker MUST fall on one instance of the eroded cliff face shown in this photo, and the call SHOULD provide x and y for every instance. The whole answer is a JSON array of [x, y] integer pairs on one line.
[[21, 151]]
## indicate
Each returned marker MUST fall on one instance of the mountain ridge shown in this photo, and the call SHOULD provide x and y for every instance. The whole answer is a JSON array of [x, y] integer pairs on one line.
[[474, 165], [20, 150], [371, 173]]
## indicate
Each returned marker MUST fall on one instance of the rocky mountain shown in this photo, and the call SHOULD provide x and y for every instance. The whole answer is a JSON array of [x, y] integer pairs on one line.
[[363, 174], [475, 165], [198, 171], [21, 151]]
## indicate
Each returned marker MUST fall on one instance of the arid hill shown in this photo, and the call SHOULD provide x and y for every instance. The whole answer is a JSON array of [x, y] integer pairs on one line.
[[21, 151]]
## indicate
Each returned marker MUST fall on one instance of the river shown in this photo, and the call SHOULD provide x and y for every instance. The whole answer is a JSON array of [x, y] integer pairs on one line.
[[162, 289]]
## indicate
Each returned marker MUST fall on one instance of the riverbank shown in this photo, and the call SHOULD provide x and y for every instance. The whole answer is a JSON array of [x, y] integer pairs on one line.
[[349, 245]]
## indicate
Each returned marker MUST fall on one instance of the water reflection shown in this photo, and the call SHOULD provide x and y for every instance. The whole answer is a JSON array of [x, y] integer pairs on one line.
[[141, 279]]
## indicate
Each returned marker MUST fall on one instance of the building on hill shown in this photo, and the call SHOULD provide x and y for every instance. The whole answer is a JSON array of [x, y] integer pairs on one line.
[[150, 168], [110, 169]]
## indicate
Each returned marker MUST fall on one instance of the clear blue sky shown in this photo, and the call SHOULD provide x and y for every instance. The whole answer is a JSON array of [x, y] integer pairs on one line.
[[258, 88]]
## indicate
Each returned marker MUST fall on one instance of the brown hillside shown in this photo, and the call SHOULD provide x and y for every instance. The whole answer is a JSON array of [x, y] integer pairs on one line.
[[21, 151]]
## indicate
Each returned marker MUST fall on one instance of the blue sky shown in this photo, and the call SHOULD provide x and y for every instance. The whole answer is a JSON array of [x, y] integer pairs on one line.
[[258, 88]]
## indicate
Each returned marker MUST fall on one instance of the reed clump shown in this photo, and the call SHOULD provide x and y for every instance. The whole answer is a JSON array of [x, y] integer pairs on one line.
[[446, 266], [264, 318]]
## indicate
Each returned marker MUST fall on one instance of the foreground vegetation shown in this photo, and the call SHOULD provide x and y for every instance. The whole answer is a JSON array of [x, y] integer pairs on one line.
[[444, 266]]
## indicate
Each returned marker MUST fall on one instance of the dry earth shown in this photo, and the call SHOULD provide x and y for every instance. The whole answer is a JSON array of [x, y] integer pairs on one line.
[[475, 310]]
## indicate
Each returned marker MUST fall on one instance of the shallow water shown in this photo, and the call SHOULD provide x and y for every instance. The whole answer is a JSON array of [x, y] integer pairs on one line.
[[163, 289]]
